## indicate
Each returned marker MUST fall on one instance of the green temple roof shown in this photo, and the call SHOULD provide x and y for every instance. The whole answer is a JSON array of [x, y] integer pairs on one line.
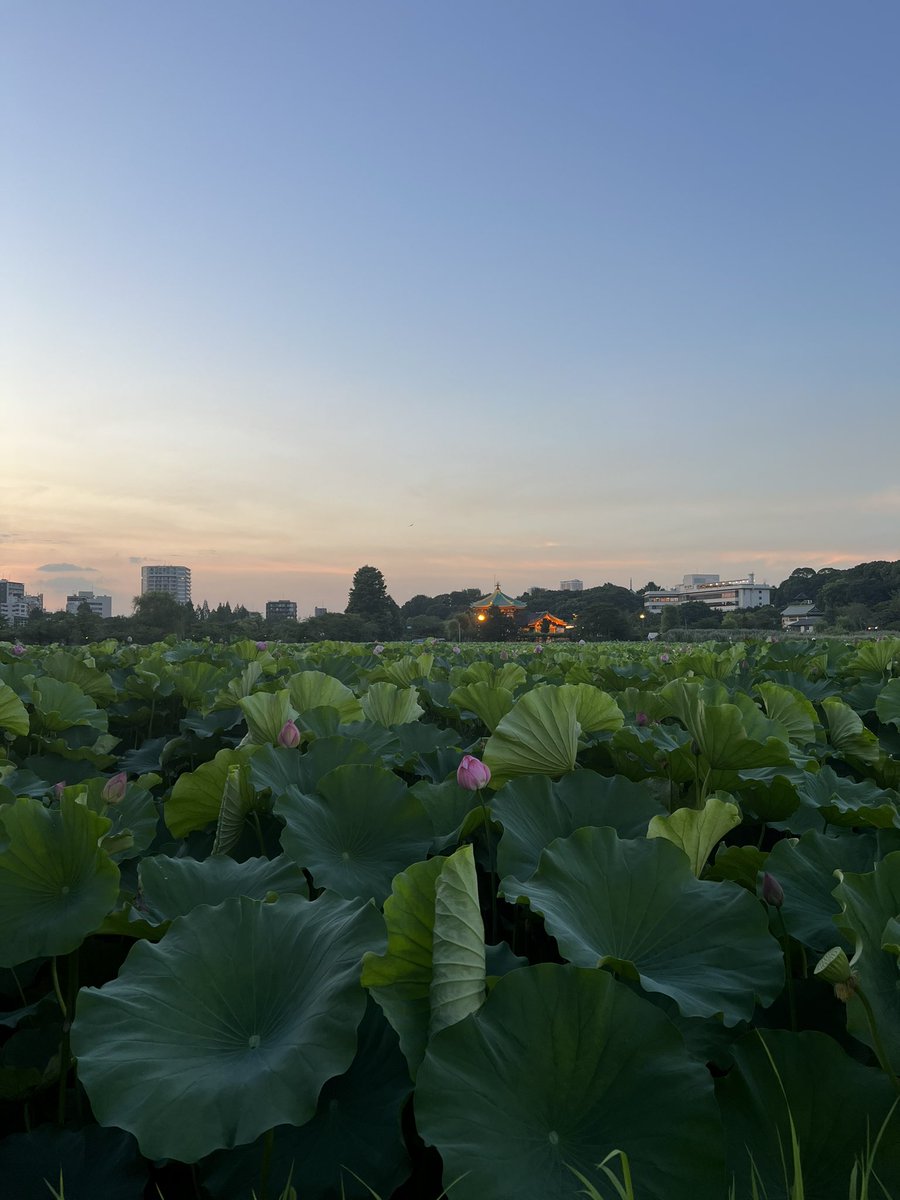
[[497, 599]]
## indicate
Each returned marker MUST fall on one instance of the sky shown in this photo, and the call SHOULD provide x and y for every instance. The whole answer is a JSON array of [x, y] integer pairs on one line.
[[466, 290]]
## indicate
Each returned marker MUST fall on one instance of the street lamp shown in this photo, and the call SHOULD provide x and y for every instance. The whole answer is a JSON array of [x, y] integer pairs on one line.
[[458, 630]]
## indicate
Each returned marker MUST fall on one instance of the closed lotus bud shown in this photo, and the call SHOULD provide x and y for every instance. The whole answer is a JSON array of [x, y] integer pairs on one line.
[[472, 774], [262, 645], [289, 736], [772, 891], [641, 719], [665, 658], [456, 650], [59, 788], [538, 649], [504, 655], [114, 789], [18, 649], [833, 967]]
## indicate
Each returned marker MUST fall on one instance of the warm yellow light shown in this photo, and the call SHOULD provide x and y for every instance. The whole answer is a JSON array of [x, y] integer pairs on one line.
[[481, 617]]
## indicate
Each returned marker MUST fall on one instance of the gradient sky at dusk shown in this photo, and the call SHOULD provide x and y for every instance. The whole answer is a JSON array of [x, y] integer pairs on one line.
[[469, 290]]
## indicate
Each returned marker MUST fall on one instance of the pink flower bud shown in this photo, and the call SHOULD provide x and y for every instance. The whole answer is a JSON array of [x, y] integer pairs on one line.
[[472, 774], [641, 719], [114, 789], [538, 649], [59, 788], [262, 645], [379, 649], [18, 649], [665, 658], [456, 650], [772, 891], [289, 736]]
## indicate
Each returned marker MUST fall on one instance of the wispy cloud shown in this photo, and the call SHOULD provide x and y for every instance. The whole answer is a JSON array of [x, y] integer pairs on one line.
[[886, 501], [57, 568]]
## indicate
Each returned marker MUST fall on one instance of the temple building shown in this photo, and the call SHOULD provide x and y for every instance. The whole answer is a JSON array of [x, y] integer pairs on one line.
[[529, 624]]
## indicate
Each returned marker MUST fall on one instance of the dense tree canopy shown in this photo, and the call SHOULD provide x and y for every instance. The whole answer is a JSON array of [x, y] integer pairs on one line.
[[369, 599]]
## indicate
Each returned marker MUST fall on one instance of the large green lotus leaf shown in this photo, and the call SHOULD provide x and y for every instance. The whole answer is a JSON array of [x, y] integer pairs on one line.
[[229, 1026], [388, 705], [314, 689], [868, 903], [538, 736], [721, 729], [266, 713], [559, 1068], [874, 660], [806, 868], [510, 675], [489, 704], [838, 1106], [433, 972], [739, 864], [199, 683], [13, 713], [62, 706], [636, 907], [239, 800], [356, 1129], [757, 725], [888, 703], [847, 734], [534, 811], [56, 884], [68, 669], [448, 805], [696, 831], [792, 710], [406, 670], [354, 835], [173, 887], [846, 802], [93, 1164], [595, 711], [196, 798]]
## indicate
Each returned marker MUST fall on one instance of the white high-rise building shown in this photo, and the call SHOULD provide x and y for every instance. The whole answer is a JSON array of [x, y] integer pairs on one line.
[[176, 581], [15, 605], [571, 585]]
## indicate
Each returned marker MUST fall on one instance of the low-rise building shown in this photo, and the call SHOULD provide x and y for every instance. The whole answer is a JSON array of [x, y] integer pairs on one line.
[[15, 604], [571, 585], [802, 617], [100, 606], [724, 595], [281, 610]]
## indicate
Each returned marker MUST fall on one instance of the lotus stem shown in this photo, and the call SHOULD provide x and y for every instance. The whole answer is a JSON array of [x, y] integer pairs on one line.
[[880, 1053], [788, 970], [493, 867], [268, 1143], [54, 975]]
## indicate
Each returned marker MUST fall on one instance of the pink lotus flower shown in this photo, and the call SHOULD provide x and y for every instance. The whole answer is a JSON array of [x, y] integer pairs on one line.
[[114, 789], [772, 891], [641, 719], [456, 650], [59, 788], [289, 736], [262, 645], [538, 649], [665, 658], [18, 649], [472, 774]]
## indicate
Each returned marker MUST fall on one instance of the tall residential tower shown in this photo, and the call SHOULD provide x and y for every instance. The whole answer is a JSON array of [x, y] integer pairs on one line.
[[174, 580]]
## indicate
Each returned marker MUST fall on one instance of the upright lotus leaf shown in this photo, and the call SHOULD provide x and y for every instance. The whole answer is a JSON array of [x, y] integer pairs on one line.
[[239, 800], [489, 704], [837, 1106], [636, 907], [846, 802], [538, 736], [196, 798], [887, 706], [869, 902], [510, 676], [595, 711], [173, 887], [67, 668], [406, 670], [13, 713], [433, 973], [361, 827], [558, 1069], [697, 831], [241, 685], [874, 660], [721, 730], [739, 864], [352, 1146], [56, 884], [266, 713], [314, 689], [806, 869], [61, 706], [847, 734], [791, 710], [448, 805], [387, 705], [534, 811], [227, 1027], [198, 684]]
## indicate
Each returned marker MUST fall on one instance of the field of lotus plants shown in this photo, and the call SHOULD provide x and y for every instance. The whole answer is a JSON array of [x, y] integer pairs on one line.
[[535, 922]]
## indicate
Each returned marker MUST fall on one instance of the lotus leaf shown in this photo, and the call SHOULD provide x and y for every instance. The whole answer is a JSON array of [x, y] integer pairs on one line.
[[13, 713], [314, 689], [67, 668], [433, 972], [489, 704], [85, 1164], [791, 710], [266, 713], [173, 887], [534, 811], [56, 884], [196, 798], [387, 705], [560, 1067], [697, 831], [61, 706], [887, 705], [539, 735], [186, 1049], [836, 1104], [637, 907], [847, 734], [361, 827]]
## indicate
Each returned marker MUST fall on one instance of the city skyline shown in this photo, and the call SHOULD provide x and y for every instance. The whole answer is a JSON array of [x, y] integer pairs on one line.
[[466, 293]]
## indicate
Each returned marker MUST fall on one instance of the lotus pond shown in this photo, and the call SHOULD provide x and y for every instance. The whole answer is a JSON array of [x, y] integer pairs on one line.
[[257, 933]]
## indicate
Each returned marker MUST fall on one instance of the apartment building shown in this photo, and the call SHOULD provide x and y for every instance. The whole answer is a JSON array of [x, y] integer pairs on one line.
[[176, 581], [100, 606], [571, 585], [15, 604], [281, 610]]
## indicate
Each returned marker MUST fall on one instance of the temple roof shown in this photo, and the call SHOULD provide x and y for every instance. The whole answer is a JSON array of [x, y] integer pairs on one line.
[[497, 599]]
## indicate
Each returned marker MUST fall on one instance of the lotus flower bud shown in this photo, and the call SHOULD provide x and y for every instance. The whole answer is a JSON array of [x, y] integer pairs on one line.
[[538, 649], [472, 774], [289, 736], [641, 719], [114, 789], [665, 658], [379, 649], [59, 788], [582, 642], [772, 891], [504, 655], [262, 645], [456, 650], [833, 967], [18, 649]]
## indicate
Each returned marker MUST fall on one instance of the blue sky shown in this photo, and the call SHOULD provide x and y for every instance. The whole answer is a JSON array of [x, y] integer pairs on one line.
[[465, 291]]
